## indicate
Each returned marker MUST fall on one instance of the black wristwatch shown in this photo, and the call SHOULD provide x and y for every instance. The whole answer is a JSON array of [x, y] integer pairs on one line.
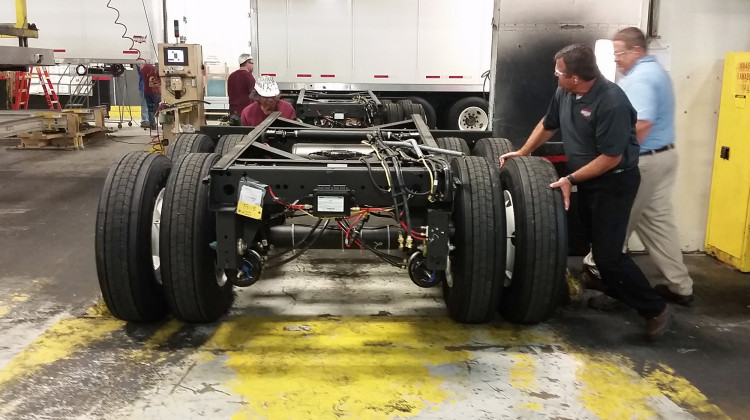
[[570, 178]]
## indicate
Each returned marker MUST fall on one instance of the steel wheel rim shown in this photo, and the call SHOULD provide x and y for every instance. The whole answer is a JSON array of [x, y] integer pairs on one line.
[[448, 273], [221, 277], [473, 118], [155, 226], [510, 237]]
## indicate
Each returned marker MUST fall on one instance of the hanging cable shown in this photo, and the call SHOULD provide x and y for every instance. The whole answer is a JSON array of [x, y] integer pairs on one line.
[[304, 249], [125, 31], [301, 243]]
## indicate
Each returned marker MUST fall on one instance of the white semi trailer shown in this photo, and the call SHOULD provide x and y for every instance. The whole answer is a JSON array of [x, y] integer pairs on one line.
[[434, 52], [115, 32]]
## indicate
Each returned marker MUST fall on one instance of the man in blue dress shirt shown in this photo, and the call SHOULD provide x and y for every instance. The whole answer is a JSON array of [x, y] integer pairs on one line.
[[650, 91]]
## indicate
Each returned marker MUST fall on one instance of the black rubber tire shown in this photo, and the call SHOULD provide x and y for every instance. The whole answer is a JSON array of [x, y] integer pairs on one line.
[[429, 110], [227, 143], [541, 241], [406, 109], [456, 109], [477, 262], [418, 109], [189, 143], [491, 149], [123, 237], [392, 112], [188, 227], [453, 143]]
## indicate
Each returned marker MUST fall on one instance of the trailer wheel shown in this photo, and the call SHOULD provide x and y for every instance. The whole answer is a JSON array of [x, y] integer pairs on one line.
[[419, 110], [392, 112], [492, 148], [453, 143], [227, 143], [469, 114], [406, 109], [429, 111], [189, 143], [195, 290], [125, 263], [536, 240], [473, 282]]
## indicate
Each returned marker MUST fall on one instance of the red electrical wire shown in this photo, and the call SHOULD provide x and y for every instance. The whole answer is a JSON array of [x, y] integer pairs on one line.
[[291, 206], [416, 235]]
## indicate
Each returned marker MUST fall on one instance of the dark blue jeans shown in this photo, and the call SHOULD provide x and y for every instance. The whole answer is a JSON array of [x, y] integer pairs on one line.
[[605, 204], [152, 101]]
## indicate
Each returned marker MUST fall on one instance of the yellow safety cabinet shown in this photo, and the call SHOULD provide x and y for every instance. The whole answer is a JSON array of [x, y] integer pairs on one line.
[[728, 230]]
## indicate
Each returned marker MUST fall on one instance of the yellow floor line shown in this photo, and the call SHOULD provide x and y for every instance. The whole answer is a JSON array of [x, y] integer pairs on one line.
[[613, 390], [378, 368], [288, 369], [58, 342], [682, 392], [523, 377], [150, 350], [294, 370]]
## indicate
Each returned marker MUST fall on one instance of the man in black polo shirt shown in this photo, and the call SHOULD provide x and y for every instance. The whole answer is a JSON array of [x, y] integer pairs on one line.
[[598, 132]]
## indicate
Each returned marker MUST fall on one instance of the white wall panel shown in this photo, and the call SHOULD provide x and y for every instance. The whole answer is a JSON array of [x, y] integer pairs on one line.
[[700, 33]]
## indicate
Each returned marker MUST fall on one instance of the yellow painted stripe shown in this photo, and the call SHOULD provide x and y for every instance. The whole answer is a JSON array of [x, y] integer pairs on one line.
[[523, 372], [99, 310], [681, 392], [4, 310], [126, 112], [359, 368], [613, 390], [149, 351], [59, 342]]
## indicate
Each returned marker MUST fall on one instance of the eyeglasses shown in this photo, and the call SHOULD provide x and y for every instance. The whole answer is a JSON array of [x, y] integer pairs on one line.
[[558, 73], [619, 53]]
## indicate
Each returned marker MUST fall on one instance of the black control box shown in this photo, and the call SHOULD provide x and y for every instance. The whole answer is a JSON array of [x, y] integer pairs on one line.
[[332, 201]]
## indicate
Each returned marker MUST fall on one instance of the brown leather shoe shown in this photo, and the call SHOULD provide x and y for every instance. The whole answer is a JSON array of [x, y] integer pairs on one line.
[[656, 326], [670, 296]]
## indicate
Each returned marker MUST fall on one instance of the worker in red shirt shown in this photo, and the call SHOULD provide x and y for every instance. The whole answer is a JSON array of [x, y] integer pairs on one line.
[[268, 95], [240, 85], [151, 91]]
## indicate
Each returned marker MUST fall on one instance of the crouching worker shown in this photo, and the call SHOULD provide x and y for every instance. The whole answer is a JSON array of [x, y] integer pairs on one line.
[[268, 101]]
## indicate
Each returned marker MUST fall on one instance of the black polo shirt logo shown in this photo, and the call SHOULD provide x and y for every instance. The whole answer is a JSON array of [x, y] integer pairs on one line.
[[586, 113]]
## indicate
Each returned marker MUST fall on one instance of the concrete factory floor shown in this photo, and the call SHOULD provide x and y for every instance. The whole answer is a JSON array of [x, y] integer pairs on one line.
[[332, 335]]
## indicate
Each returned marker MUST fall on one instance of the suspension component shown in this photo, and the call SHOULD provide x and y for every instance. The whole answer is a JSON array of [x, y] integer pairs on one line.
[[420, 274], [252, 269]]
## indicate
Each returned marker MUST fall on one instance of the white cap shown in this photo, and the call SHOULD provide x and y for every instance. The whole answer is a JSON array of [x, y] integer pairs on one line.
[[244, 57], [266, 87]]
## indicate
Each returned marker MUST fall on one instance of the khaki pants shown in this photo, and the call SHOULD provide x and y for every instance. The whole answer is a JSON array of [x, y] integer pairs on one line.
[[652, 217]]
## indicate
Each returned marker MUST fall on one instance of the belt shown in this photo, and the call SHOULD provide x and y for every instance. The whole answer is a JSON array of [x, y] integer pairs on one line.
[[659, 150]]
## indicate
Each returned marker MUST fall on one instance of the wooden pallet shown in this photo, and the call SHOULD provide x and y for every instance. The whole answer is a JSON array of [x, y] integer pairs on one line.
[[72, 141], [66, 130]]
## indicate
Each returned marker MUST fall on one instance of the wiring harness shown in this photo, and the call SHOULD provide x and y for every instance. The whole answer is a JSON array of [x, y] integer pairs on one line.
[[392, 160]]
